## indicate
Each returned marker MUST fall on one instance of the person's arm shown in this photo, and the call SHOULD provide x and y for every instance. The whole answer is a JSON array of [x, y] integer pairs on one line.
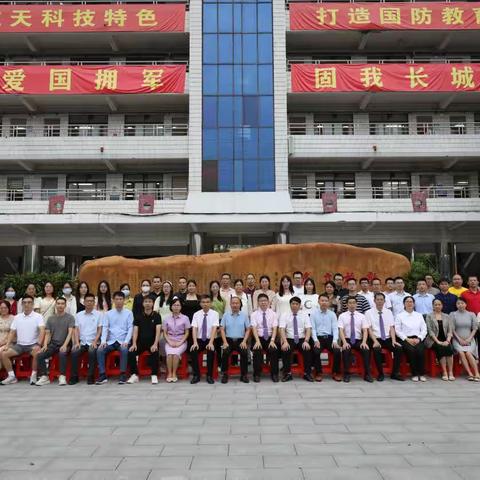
[[246, 336], [345, 344], [257, 343], [364, 344], [474, 328], [398, 328], [67, 341], [274, 336], [12, 335], [133, 348], [194, 339], [46, 340], [308, 334], [313, 320], [423, 329], [334, 326], [158, 332], [42, 335], [128, 338], [222, 331], [213, 334]]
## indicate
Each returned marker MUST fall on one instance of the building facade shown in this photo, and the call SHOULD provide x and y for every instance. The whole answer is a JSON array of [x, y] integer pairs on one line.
[[291, 123]]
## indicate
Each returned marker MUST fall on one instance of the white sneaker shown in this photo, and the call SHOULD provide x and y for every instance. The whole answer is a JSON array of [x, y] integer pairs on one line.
[[9, 380], [154, 379], [33, 379], [62, 381], [133, 378], [415, 379], [44, 380], [423, 379]]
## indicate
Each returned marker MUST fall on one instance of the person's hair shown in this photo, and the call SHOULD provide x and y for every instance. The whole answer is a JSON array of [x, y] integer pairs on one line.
[[351, 297], [175, 300], [107, 296], [182, 278], [298, 272], [444, 280], [309, 279], [145, 280], [162, 299], [379, 294], [281, 290], [352, 278], [147, 298], [389, 279], [27, 296], [421, 280], [338, 275], [252, 274], [324, 295], [331, 283], [218, 297], [226, 274], [4, 302], [374, 279], [262, 295], [398, 278], [156, 276], [461, 299], [89, 295], [266, 277], [119, 294], [78, 288], [437, 300], [191, 281], [472, 276], [123, 285], [239, 299], [407, 297], [62, 299], [428, 275], [364, 279], [237, 280], [204, 297], [53, 287], [295, 299]]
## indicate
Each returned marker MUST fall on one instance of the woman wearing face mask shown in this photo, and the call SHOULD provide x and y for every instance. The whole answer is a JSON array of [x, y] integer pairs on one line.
[[9, 296], [145, 291], [103, 300], [31, 290], [125, 289], [82, 290], [47, 302], [71, 306]]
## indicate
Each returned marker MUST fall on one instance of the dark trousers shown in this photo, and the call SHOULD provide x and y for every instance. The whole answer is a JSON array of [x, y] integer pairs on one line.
[[92, 358], [234, 344], [287, 356], [347, 358], [416, 357], [272, 355], [202, 346], [102, 354], [49, 353], [218, 342], [153, 359], [326, 344], [377, 355]]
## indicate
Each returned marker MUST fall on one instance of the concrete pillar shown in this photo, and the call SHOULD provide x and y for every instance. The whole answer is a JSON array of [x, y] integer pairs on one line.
[[445, 260], [281, 238], [196, 243], [72, 264], [32, 259]]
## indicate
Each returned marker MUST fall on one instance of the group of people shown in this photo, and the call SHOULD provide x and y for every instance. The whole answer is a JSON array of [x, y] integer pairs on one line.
[[251, 320]]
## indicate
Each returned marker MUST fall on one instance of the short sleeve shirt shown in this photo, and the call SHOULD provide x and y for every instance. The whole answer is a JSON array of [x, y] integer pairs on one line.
[[58, 326]]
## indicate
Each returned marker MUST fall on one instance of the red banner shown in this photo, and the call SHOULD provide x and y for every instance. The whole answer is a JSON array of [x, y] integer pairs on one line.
[[75, 80], [92, 18], [396, 77], [385, 16]]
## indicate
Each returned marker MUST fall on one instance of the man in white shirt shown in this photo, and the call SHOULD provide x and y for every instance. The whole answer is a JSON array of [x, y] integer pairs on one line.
[[204, 330], [365, 290], [295, 333], [353, 332], [88, 331], [377, 288], [396, 298], [226, 290], [382, 335], [28, 328], [298, 283]]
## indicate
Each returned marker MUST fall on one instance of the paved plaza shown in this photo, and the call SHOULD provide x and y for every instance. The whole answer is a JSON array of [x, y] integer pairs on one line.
[[257, 431]]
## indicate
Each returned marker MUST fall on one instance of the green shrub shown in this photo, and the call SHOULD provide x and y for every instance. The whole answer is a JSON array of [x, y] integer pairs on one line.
[[423, 265], [19, 281]]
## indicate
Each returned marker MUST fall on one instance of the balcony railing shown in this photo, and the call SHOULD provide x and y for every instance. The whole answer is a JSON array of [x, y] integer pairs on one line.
[[356, 61], [384, 128], [97, 130]]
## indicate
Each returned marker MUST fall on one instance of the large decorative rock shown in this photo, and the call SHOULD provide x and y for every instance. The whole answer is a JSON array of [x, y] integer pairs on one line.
[[318, 260]]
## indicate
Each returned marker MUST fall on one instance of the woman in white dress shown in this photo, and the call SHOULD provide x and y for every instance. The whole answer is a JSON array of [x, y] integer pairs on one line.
[[71, 307], [164, 300], [310, 296], [47, 302], [281, 300], [31, 290]]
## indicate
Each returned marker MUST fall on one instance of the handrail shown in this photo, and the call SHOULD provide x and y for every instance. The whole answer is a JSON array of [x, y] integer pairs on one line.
[[355, 61], [287, 2], [62, 63], [82, 2]]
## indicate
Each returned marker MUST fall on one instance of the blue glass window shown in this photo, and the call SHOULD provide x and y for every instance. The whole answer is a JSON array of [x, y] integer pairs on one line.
[[264, 48], [249, 18], [209, 112], [225, 83], [249, 46], [209, 18], [225, 18], [209, 79], [210, 48], [225, 48]]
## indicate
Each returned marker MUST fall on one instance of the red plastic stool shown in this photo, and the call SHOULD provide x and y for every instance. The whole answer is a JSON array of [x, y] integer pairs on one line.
[[234, 369], [387, 363], [202, 362], [112, 366], [297, 367], [357, 363], [83, 366], [22, 365], [404, 366], [144, 369], [53, 367], [182, 370], [431, 363]]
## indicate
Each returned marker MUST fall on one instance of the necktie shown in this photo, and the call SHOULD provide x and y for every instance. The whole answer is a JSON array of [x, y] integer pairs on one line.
[[382, 326], [353, 340], [204, 328], [295, 329], [265, 327]]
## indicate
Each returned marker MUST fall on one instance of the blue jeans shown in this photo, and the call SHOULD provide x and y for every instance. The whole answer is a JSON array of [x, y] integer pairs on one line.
[[103, 352]]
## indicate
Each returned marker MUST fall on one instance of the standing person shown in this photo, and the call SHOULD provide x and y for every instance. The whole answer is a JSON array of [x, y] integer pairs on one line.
[[82, 290], [117, 330], [218, 304], [340, 290], [325, 337], [281, 300], [239, 293], [235, 330], [333, 299], [431, 288], [440, 333], [157, 287], [295, 332], [411, 329], [58, 335], [204, 330], [250, 287], [9, 296], [457, 287], [472, 295], [103, 301], [465, 327], [423, 300], [389, 286], [264, 325], [298, 283], [398, 296], [88, 331], [181, 292], [125, 289], [47, 302], [6, 319], [362, 303], [145, 291], [377, 288], [353, 333], [28, 328], [309, 296], [365, 290], [449, 300], [31, 291], [67, 291], [145, 338], [382, 335], [176, 328], [265, 289], [226, 290], [191, 304], [164, 300]]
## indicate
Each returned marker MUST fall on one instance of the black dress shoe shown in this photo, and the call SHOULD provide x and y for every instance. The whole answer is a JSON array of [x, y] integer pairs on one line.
[[307, 377], [224, 378], [287, 377], [397, 376], [210, 380], [256, 378], [73, 381], [368, 378], [346, 378], [275, 378], [244, 379], [195, 379], [90, 381], [381, 377]]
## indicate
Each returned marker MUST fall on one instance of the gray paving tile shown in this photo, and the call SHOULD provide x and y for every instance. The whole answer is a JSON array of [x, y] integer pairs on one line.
[[29, 464], [445, 459], [347, 460], [265, 474], [128, 451], [92, 463], [104, 475], [419, 473], [151, 463], [175, 474], [342, 474], [301, 461], [21, 475], [327, 448], [194, 450], [236, 461], [262, 449]]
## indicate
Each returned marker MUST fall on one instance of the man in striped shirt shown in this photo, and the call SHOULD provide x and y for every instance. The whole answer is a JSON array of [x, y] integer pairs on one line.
[[362, 303]]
